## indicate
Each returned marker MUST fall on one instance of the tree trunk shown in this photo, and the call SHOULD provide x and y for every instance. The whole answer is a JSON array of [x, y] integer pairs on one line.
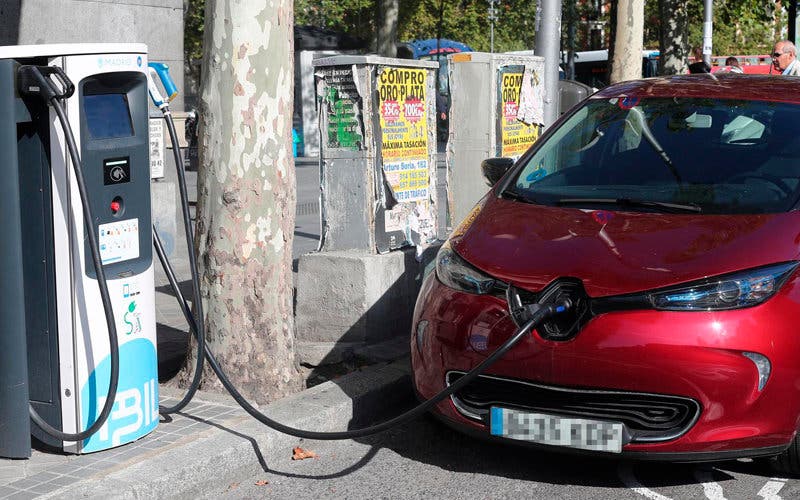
[[673, 43], [386, 27], [629, 41], [246, 196]]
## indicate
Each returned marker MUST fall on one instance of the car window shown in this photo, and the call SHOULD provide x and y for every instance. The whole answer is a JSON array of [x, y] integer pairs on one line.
[[723, 156]]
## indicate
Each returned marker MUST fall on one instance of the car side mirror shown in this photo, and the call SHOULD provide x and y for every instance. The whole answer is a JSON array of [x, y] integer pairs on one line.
[[495, 168]]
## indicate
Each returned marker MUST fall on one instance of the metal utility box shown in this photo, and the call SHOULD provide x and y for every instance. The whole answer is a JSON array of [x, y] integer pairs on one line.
[[54, 346], [496, 110], [377, 126], [305, 117]]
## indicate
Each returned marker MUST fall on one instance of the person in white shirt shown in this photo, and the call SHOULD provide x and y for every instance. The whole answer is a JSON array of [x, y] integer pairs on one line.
[[784, 58], [733, 65]]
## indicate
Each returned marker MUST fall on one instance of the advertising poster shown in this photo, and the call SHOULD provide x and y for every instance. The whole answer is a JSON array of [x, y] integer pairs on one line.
[[343, 109], [404, 132], [515, 135]]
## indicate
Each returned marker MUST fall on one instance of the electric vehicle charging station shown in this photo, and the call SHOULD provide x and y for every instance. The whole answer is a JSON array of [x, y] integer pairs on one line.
[[55, 353]]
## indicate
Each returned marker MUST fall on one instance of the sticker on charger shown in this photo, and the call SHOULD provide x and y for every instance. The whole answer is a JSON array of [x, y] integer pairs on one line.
[[119, 241]]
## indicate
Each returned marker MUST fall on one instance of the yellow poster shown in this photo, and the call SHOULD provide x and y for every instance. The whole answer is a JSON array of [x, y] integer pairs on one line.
[[404, 131], [515, 136]]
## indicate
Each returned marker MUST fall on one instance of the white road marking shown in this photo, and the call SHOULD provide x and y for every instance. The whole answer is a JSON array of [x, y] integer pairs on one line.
[[772, 488], [711, 489], [627, 477]]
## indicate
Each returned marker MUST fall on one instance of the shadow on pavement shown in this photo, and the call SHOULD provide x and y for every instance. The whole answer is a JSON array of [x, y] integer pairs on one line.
[[185, 288], [172, 347]]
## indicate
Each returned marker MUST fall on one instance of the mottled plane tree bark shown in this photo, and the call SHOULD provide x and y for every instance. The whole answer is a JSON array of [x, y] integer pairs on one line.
[[628, 41], [673, 39], [246, 195]]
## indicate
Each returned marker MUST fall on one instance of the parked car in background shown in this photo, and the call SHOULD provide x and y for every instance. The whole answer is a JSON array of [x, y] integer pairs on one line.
[[666, 211]]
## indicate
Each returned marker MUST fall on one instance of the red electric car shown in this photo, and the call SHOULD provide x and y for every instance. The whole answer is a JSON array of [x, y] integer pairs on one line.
[[666, 211]]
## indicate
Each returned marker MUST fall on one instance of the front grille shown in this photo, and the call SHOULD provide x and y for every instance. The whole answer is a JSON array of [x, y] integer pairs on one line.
[[648, 417]]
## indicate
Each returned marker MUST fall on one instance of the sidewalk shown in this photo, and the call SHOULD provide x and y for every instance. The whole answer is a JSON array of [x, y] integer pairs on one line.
[[209, 445]]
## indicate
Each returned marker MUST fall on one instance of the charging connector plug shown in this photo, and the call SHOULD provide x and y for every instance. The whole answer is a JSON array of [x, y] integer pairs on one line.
[[526, 312], [37, 81]]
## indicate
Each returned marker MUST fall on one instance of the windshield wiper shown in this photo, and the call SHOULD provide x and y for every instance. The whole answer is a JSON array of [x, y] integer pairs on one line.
[[629, 202], [515, 195]]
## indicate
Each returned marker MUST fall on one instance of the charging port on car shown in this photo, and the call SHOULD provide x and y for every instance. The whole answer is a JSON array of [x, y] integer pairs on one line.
[[560, 327]]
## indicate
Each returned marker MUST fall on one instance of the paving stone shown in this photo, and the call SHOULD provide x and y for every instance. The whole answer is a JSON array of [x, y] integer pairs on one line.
[[44, 488], [22, 495], [24, 483], [64, 468], [7, 474], [62, 481], [6, 491], [44, 476]]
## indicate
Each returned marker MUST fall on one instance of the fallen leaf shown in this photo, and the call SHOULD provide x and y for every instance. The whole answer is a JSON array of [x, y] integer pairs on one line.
[[301, 454], [261, 482], [233, 486]]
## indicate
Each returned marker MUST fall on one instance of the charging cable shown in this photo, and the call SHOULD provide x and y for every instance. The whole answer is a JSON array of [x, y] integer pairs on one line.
[[538, 313], [161, 71], [37, 81]]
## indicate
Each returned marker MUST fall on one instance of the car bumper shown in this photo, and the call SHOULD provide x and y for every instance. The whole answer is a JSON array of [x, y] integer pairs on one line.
[[696, 356]]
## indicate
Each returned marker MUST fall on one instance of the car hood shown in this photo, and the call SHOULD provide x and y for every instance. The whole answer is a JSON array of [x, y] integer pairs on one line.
[[615, 252]]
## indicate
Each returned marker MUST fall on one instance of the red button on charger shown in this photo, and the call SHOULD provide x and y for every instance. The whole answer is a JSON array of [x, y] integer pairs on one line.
[[115, 206]]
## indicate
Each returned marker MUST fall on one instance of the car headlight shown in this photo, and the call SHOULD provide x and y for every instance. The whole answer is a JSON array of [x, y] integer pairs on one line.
[[732, 291], [456, 273]]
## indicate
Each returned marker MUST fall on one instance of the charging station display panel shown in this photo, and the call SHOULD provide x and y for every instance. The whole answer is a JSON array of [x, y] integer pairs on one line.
[[115, 153], [107, 115]]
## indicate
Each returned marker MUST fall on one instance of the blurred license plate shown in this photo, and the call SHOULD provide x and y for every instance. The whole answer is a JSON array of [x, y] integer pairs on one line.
[[596, 435]]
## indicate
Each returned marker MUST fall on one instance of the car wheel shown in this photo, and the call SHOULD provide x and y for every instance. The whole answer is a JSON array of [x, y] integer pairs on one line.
[[788, 462]]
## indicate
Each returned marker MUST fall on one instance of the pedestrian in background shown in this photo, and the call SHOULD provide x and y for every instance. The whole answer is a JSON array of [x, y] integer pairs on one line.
[[784, 58], [733, 65], [699, 66]]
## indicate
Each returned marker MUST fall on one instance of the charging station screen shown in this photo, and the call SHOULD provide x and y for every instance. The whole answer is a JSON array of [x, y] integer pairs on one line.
[[107, 115]]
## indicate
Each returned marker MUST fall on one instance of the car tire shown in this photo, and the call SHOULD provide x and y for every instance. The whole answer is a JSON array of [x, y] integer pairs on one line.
[[788, 462]]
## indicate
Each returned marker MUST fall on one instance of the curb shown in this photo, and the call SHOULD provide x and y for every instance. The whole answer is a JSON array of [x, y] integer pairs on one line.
[[322, 353], [241, 446]]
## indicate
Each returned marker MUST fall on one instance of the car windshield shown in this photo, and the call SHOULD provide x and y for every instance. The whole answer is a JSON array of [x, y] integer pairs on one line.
[[695, 155]]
